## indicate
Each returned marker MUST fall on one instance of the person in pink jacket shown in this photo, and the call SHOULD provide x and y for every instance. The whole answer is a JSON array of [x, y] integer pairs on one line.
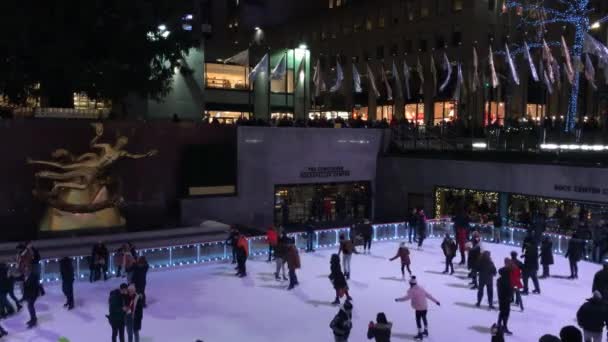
[[418, 296]]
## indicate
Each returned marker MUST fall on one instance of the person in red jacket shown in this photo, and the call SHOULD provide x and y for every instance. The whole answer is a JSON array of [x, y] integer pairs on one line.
[[242, 252], [404, 254], [515, 280], [272, 238], [461, 240]]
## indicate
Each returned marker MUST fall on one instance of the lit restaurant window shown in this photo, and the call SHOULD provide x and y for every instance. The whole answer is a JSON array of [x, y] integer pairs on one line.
[[226, 76]]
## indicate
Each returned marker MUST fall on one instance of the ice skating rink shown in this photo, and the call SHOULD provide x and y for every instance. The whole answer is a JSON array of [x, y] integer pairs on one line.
[[209, 303]]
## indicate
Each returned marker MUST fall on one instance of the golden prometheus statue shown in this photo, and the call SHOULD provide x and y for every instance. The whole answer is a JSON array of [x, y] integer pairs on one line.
[[79, 190]]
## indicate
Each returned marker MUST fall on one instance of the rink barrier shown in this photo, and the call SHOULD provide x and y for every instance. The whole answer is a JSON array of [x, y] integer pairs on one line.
[[213, 251]]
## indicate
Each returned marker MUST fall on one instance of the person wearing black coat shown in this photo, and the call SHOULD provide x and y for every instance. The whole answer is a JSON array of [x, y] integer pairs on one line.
[[310, 235], [505, 294], [116, 315], [546, 256], [231, 241], [31, 291], [412, 224], [342, 323], [421, 226], [530, 269], [487, 272], [367, 231], [338, 279], [592, 317], [574, 255], [99, 258], [600, 281], [140, 273], [449, 248], [66, 269], [473, 261], [6, 309]]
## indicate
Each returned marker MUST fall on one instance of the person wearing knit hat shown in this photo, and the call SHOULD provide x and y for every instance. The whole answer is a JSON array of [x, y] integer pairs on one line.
[[403, 253], [419, 296], [342, 324], [591, 317]]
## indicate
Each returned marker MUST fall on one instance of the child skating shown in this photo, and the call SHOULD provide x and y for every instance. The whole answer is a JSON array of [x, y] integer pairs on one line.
[[419, 296], [404, 254]]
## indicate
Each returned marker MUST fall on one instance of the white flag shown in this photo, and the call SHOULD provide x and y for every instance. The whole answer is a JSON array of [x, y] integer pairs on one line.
[[448, 68], [372, 81], [434, 74], [495, 81], [531, 63], [511, 65], [356, 80], [301, 75], [241, 58], [475, 81], [280, 70], [566, 54], [406, 79], [548, 57], [339, 79], [389, 90], [317, 79], [590, 71], [262, 66], [420, 70], [547, 82], [397, 80], [460, 86]]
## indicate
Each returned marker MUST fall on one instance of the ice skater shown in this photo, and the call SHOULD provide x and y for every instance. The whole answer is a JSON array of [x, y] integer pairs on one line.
[[591, 317], [280, 257], [272, 239], [473, 261], [404, 254], [486, 272], [421, 225], [600, 281], [412, 224], [505, 295], [419, 296], [367, 231], [242, 252], [347, 248], [31, 292], [338, 280], [546, 256], [515, 281], [461, 231], [116, 312], [67, 281], [381, 330], [531, 266], [574, 255], [448, 246], [342, 323], [293, 263]]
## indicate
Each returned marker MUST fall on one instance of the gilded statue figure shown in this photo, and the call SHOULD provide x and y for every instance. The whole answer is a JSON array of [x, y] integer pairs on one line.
[[82, 193]]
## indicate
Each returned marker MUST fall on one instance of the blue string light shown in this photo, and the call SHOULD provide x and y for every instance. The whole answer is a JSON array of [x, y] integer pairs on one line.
[[575, 13]]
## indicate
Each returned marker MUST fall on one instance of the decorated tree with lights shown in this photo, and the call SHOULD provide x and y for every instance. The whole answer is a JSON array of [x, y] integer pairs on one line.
[[574, 13]]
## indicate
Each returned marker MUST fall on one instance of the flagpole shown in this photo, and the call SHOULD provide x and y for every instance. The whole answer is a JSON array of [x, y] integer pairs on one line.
[[269, 85]]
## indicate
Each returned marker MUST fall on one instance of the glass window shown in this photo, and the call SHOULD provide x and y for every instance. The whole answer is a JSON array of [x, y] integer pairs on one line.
[[283, 85], [494, 113], [226, 76], [368, 24], [280, 115], [384, 112], [415, 112], [82, 101], [225, 117], [361, 112], [457, 5], [444, 112], [535, 112]]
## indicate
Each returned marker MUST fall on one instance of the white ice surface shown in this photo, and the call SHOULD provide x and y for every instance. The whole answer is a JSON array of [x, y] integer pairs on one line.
[[209, 303]]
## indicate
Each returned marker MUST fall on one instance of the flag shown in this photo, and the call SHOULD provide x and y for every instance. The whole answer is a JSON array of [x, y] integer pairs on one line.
[[531, 63], [262, 66], [460, 86], [566, 54], [280, 69], [546, 79], [397, 80], [558, 74], [356, 80], [446, 67], [241, 58], [548, 57], [420, 70], [406, 79], [301, 75], [317, 79], [339, 79], [434, 73], [495, 81], [389, 90], [511, 65], [475, 81], [590, 71], [372, 81]]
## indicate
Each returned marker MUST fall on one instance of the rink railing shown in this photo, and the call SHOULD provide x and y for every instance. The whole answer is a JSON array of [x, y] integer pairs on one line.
[[213, 251]]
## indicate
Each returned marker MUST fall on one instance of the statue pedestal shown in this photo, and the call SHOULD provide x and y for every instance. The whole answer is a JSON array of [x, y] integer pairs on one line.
[[56, 219]]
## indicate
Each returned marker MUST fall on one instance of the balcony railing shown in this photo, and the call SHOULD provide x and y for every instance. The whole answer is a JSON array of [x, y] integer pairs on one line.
[[213, 251]]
